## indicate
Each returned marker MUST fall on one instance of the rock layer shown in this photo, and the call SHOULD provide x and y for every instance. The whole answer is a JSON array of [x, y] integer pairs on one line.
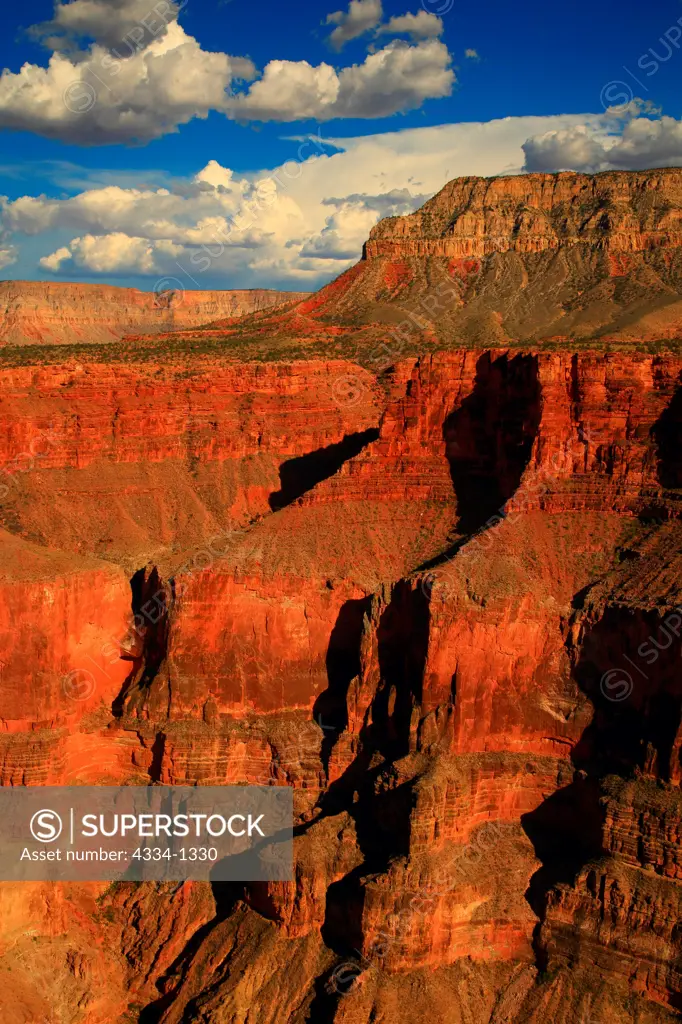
[[474, 217], [47, 313], [445, 612]]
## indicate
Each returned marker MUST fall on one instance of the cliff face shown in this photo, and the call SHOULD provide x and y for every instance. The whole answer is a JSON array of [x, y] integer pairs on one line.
[[46, 313], [439, 600], [620, 212], [133, 462]]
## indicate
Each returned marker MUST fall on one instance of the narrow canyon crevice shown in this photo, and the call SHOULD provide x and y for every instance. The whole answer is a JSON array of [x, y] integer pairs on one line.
[[403, 638], [305, 471], [148, 635]]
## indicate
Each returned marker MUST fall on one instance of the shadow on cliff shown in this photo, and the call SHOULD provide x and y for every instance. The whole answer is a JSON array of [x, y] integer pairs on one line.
[[628, 666], [489, 438], [402, 647], [401, 630], [227, 897], [305, 471], [379, 804], [489, 441], [667, 433], [371, 790], [330, 710]]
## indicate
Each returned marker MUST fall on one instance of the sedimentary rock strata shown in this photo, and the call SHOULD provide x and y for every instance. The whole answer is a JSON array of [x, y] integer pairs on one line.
[[47, 313], [439, 599]]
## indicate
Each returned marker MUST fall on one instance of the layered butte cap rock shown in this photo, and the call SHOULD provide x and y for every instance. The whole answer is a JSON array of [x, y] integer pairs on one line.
[[412, 547]]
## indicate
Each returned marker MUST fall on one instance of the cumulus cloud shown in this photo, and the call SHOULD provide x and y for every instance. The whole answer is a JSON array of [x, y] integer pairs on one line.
[[567, 149], [398, 77], [633, 108], [296, 225], [386, 204], [98, 98], [55, 260], [238, 216], [343, 234], [115, 24], [111, 254], [471, 54], [288, 91], [648, 143], [639, 143], [346, 230], [361, 17], [216, 176], [423, 25], [123, 71]]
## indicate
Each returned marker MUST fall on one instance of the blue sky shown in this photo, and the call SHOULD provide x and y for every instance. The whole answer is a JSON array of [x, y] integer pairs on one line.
[[459, 89]]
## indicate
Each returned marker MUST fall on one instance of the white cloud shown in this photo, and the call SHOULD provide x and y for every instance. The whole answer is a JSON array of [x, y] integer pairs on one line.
[[115, 24], [471, 54], [346, 230], [55, 260], [423, 25], [361, 17], [94, 97], [296, 225], [299, 224], [648, 143], [343, 234], [399, 77], [289, 91], [124, 70], [567, 149], [112, 254], [240, 216], [387, 204], [628, 143], [216, 176]]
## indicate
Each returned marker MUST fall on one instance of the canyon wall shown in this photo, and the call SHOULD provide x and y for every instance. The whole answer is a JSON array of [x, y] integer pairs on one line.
[[439, 598], [56, 313], [397, 632]]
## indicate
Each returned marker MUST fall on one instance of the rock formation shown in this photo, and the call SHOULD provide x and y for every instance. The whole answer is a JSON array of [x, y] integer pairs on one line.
[[53, 313], [437, 592]]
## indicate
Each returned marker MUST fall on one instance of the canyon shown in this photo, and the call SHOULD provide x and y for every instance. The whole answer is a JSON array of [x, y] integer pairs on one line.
[[410, 546]]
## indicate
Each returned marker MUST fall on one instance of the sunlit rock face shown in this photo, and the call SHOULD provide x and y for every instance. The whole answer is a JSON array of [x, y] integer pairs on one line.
[[438, 596], [53, 313]]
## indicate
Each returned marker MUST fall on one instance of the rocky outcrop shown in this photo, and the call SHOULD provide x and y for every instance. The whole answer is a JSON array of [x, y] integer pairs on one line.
[[474, 217]]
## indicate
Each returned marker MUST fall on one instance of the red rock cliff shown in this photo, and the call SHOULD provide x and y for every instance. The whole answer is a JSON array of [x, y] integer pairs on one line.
[[439, 598]]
